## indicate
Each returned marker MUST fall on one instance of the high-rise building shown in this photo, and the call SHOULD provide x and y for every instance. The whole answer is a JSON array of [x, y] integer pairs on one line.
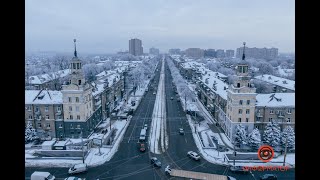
[[210, 53], [135, 47], [220, 53], [154, 51], [229, 53], [195, 52], [174, 51], [260, 53]]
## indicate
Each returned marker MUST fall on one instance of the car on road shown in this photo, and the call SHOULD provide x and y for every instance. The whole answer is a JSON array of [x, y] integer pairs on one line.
[[40, 175], [73, 178], [178, 99], [155, 162], [154, 93], [142, 147], [239, 169], [146, 126], [78, 168], [193, 155], [171, 98], [268, 177], [181, 131]]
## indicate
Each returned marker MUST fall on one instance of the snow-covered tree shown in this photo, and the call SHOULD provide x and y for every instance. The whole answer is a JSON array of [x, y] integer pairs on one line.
[[288, 132], [254, 138], [240, 136], [30, 133], [272, 134], [262, 87]]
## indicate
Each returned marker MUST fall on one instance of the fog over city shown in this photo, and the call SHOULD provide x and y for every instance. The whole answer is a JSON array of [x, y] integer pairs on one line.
[[106, 26]]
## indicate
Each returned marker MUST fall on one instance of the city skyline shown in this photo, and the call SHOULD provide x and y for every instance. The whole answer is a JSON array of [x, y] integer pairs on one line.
[[106, 27]]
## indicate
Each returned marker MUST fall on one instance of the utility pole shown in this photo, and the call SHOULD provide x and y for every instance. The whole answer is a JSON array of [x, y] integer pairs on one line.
[[82, 147], [185, 102], [234, 154], [285, 152]]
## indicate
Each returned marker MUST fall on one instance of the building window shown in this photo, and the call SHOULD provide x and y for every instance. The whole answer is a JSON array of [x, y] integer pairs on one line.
[[39, 117], [46, 108], [271, 111], [240, 111], [71, 117], [78, 126], [48, 125], [259, 110], [69, 99], [288, 120], [87, 106], [270, 119], [37, 109], [60, 125], [70, 108], [29, 108], [247, 119], [239, 119], [77, 108], [240, 102], [257, 127], [47, 116], [289, 111], [39, 125], [59, 117], [78, 117], [90, 104], [59, 108], [247, 111], [248, 102], [30, 117], [77, 99], [78, 67]]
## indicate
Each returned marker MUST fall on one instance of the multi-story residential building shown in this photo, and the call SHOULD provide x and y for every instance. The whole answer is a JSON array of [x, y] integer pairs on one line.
[[279, 85], [261, 53], [229, 53], [78, 109], [220, 53], [52, 81], [279, 107], [174, 51], [210, 53], [194, 52], [154, 51], [135, 47], [42, 109]]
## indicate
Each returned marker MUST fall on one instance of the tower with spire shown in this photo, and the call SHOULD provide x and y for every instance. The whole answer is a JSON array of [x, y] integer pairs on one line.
[[241, 99], [77, 101]]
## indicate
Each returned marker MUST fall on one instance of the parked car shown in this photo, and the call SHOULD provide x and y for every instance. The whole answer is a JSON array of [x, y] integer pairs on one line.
[[154, 93], [193, 155], [78, 168], [181, 131], [73, 178], [142, 147], [155, 162], [146, 126], [171, 98], [39, 175], [268, 177], [239, 169]]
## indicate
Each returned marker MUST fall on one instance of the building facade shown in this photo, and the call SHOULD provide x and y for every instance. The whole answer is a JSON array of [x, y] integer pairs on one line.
[[194, 52], [154, 51], [259, 53], [220, 53], [210, 53], [174, 51], [135, 47], [229, 53]]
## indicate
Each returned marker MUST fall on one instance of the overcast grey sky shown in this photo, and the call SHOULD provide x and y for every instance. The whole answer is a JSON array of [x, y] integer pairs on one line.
[[105, 26]]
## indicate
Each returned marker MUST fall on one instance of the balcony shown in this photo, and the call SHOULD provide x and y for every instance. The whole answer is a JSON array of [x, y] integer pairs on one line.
[[259, 115], [37, 112], [280, 115], [58, 113]]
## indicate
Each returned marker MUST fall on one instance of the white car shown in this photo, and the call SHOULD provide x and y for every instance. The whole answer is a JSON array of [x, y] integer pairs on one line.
[[193, 155], [78, 168], [154, 93], [73, 178]]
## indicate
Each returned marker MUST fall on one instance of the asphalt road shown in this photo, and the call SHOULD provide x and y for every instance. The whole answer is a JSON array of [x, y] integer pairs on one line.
[[129, 163]]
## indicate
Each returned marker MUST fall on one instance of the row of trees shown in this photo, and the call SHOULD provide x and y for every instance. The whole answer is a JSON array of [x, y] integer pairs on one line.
[[272, 136]]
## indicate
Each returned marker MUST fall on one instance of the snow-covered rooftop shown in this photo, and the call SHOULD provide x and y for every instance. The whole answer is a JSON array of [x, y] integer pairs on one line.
[[214, 78], [286, 83], [43, 78], [111, 76], [43, 97], [285, 72], [48, 143], [276, 100]]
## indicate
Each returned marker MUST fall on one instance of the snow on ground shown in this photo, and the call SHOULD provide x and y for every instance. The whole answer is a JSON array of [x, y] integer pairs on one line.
[[158, 125]]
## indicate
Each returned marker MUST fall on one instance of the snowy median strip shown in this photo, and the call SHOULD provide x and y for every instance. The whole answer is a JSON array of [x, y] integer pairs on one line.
[[158, 133]]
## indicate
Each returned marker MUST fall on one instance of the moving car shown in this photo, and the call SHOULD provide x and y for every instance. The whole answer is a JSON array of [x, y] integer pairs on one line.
[[142, 147], [193, 155], [171, 98], [146, 126], [143, 135], [39, 175], [154, 93], [181, 131], [78, 168], [239, 169], [155, 162], [73, 178], [268, 177]]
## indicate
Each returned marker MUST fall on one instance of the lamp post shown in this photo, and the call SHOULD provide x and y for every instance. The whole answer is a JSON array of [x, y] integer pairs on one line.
[[82, 147]]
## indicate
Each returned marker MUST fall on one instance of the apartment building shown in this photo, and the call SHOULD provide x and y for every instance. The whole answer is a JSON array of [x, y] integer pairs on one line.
[[278, 84]]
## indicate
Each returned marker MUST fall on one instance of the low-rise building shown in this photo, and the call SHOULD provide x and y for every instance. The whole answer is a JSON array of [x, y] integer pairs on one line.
[[279, 85]]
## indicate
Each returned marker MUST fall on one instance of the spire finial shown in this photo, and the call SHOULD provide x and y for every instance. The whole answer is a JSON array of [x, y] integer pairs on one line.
[[244, 47], [75, 48]]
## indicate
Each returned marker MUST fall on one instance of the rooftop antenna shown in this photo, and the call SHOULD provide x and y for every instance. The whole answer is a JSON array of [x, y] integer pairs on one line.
[[244, 47], [75, 48]]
